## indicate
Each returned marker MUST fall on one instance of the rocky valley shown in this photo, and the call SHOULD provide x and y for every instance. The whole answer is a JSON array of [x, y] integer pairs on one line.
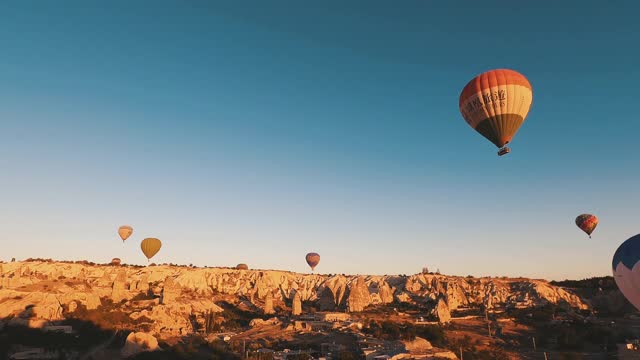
[[167, 303]]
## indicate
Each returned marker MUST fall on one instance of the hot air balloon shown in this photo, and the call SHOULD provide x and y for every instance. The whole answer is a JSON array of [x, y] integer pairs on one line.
[[313, 259], [125, 231], [587, 223], [115, 262], [626, 271], [150, 247], [496, 103], [242, 267]]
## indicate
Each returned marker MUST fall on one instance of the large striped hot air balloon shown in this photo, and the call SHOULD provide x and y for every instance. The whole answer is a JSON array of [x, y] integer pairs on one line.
[[125, 231], [587, 223], [150, 247], [626, 269], [313, 259], [496, 103]]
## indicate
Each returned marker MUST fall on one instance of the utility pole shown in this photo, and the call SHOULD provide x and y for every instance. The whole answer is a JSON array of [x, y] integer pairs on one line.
[[534, 343], [460, 352]]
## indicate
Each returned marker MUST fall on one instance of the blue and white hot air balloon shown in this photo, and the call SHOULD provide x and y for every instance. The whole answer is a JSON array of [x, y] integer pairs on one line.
[[626, 269]]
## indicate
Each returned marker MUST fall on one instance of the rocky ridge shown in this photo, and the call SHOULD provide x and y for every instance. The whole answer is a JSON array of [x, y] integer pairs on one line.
[[179, 294]]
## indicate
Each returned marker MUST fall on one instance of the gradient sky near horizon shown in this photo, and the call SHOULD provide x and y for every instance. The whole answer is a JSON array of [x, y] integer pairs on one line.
[[259, 131]]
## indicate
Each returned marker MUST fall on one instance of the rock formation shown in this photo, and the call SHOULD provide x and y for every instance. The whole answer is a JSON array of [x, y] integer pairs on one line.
[[82, 275], [138, 342], [72, 307], [105, 279], [442, 311], [142, 285], [260, 322], [327, 300], [119, 287], [296, 306], [85, 285], [417, 344], [359, 296], [268, 303], [171, 291], [12, 279], [386, 293]]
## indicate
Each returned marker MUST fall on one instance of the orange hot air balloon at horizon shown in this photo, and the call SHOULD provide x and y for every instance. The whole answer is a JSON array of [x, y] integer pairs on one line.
[[150, 247], [125, 231], [587, 223], [496, 104], [313, 259]]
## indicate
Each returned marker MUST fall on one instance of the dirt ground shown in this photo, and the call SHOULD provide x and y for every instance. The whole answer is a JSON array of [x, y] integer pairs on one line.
[[516, 338], [264, 336]]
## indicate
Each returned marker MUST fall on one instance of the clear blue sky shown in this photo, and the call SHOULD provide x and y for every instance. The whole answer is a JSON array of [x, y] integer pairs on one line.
[[259, 131]]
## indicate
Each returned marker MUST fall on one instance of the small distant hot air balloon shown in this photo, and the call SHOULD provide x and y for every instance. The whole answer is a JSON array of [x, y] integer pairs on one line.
[[125, 231], [150, 247], [587, 223], [115, 262], [313, 259], [626, 271], [242, 267], [495, 104]]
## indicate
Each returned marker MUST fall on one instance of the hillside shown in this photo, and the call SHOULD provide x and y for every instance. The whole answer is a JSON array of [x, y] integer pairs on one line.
[[172, 301], [601, 293]]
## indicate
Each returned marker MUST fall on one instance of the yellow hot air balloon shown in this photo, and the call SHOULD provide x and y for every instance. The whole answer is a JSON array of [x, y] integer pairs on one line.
[[495, 104], [150, 247], [125, 231]]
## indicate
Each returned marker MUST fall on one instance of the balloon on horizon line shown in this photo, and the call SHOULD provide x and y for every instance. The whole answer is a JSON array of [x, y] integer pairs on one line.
[[587, 223], [496, 104], [626, 271], [313, 259], [125, 231], [242, 267], [150, 247]]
